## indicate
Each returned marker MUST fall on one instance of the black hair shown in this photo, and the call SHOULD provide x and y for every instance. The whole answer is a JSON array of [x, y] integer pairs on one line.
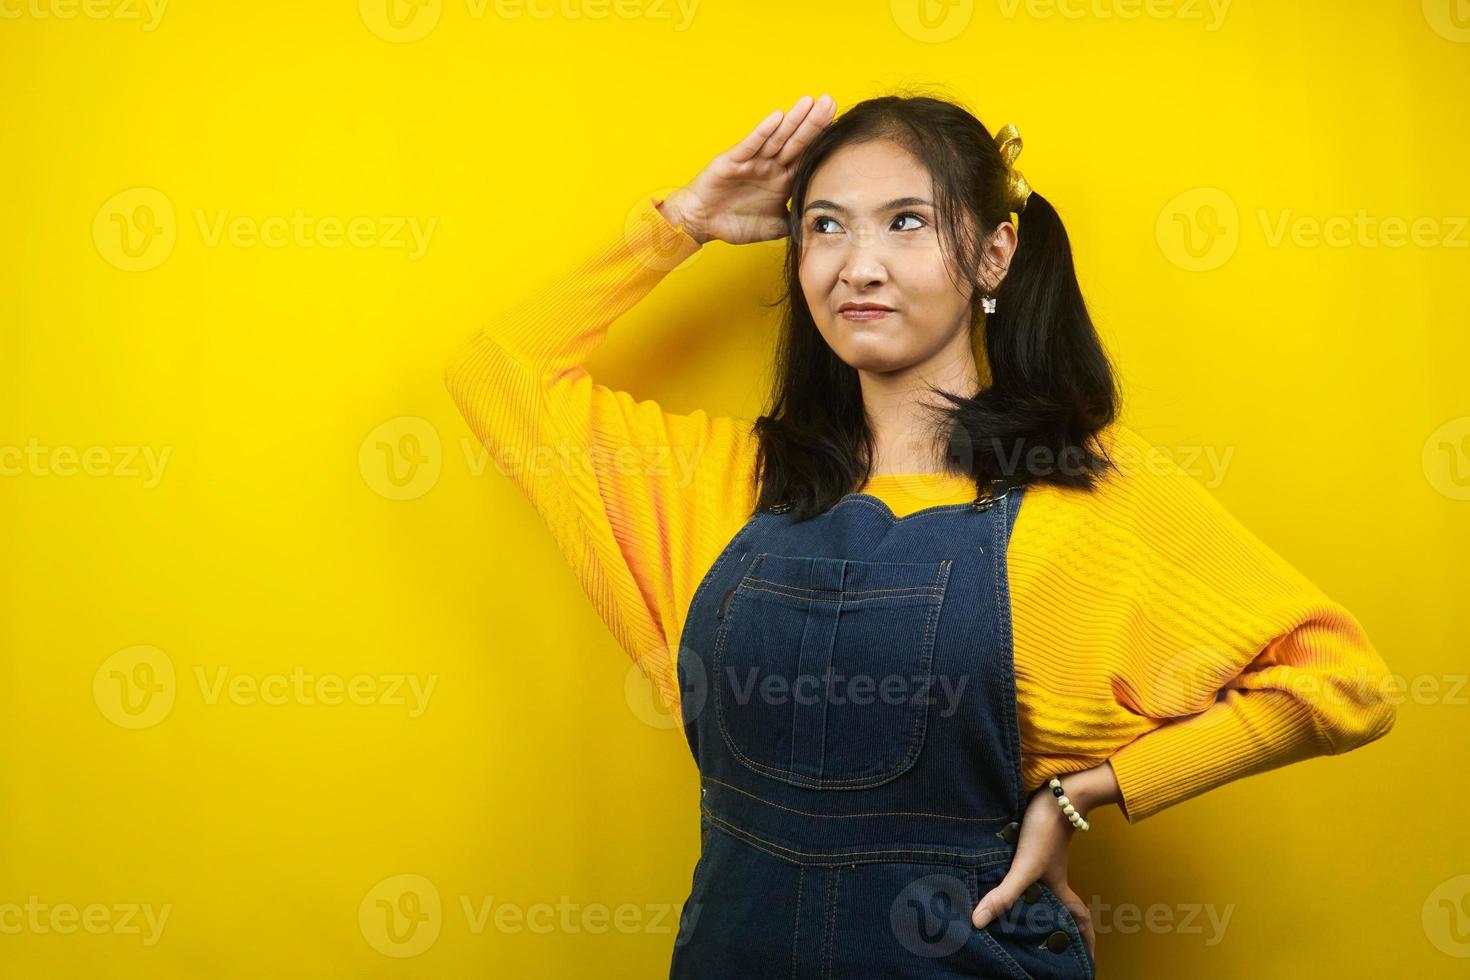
[[1051, 388]]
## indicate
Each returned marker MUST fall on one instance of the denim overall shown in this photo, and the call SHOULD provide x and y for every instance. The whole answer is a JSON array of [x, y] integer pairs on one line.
[[849, 697]]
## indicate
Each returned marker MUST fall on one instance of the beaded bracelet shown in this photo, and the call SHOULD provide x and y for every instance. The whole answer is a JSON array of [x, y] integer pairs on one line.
[[1066, 805]]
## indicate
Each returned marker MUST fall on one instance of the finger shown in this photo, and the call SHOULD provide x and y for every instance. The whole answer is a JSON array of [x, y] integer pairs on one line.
[[995, 902], [788, 126], [821, 114], [1082, 914], [752, 143], [1088, 932]]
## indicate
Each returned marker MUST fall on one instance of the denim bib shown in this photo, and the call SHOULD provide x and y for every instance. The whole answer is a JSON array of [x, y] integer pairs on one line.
[[849, 698]]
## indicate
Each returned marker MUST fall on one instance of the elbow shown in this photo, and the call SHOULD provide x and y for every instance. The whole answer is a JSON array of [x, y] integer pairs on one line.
[[1372, 714], [1353, 695], [490, 387], [1375, 723]]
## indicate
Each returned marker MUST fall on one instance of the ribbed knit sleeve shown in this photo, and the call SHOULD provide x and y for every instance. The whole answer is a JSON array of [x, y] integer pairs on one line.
[[635, 496], [1161, 633]]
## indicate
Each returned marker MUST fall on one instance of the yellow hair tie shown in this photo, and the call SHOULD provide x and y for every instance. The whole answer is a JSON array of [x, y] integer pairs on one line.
[[1008, 139]]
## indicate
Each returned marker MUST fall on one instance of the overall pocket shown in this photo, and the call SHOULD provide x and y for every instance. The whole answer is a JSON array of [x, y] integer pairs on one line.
[[1069, 922], [824, 667], [1038, 932]]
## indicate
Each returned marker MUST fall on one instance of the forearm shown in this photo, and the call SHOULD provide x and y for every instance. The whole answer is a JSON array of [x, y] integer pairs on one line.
[[1089, 789], [558, 326]]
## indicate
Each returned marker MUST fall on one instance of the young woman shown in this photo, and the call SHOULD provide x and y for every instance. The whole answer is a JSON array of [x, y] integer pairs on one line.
[[936, 606]]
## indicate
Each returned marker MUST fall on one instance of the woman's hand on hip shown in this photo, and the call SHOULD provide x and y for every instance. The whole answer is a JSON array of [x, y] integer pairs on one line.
[[740, 196], [1041, 855]]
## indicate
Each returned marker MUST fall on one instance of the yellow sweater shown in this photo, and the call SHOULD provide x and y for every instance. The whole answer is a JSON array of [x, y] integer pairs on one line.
[[1150, 627]]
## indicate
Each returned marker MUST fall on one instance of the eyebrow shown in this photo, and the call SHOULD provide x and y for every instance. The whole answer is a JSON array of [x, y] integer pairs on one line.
[[897, 202]]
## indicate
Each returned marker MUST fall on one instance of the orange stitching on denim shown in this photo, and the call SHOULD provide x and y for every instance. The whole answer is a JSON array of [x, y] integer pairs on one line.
[[819, 595], [841, 816], [1006, 959], [929, 594], [841, 856], [828, 941], [915, 589], [796, 923]]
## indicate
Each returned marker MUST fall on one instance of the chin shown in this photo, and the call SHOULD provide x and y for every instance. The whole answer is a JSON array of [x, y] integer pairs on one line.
[[868, 347], [873, 358]]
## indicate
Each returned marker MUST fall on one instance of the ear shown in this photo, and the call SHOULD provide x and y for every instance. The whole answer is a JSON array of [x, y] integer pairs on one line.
[[996, 254]]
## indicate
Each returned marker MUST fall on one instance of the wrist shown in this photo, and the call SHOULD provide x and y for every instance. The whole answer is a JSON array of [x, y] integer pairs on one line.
[[1089, 789], [674, 214]]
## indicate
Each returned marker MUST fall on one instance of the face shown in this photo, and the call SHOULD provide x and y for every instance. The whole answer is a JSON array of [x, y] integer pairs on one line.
[[870, 236]]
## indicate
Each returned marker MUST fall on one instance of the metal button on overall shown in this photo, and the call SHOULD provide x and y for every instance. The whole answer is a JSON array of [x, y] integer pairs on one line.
[[1058, 941]]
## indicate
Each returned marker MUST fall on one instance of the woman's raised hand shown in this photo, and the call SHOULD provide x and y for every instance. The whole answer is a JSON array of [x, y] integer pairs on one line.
[[740, 196]]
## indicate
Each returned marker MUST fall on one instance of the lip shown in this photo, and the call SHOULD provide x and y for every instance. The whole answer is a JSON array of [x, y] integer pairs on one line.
[[864, 311]]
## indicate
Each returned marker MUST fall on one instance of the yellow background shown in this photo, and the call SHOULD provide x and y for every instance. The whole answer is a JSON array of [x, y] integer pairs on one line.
[[322, 510]]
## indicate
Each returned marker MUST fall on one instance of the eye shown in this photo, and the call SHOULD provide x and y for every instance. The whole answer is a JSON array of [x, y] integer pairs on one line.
[[816, 224]]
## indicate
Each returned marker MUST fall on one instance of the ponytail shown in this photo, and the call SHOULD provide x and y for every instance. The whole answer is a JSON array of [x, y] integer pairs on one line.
[[1052, 387]]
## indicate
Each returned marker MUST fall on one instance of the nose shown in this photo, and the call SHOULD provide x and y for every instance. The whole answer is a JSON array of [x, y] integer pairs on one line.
[[863, 264]]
